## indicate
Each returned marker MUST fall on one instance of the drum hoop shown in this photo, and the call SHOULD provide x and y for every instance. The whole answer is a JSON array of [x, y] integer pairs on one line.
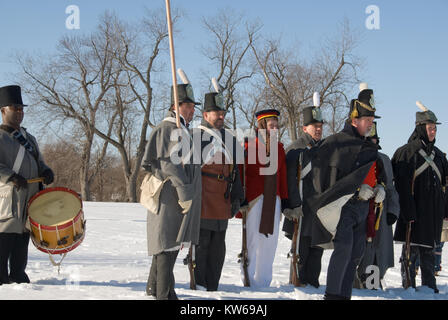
[[71, 247], [68, 224]]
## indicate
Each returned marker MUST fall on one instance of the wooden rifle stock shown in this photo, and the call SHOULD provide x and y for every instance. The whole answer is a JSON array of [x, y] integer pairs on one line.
[[406, 258]]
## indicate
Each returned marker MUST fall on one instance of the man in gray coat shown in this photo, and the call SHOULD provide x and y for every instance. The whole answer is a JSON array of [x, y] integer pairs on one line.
[[177, 220], [20, 160], [380, 249]]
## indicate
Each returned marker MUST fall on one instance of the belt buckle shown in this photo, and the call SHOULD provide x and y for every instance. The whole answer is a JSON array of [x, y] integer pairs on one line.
[[220, 177]]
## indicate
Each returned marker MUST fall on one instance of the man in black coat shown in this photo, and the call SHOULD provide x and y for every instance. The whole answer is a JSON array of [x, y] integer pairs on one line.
[[421, 171], [346, 175], [299, 153]]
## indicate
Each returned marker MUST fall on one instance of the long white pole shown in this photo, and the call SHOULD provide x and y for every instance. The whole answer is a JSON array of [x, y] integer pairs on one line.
[[173, 61]]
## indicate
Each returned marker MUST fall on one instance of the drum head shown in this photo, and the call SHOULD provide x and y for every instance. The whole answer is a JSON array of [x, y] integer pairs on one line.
[[54, 206]]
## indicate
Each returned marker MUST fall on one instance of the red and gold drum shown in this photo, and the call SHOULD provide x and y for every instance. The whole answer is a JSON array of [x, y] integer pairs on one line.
[[56, 220]]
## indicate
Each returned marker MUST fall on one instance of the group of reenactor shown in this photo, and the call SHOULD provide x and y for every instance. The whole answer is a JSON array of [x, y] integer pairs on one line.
[[337, 193]]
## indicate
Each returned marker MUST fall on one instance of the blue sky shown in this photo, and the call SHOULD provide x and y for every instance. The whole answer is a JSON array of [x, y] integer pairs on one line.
[[406, 59]]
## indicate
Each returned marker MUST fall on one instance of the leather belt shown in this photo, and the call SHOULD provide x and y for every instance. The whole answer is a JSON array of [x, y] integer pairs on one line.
[[220, 177]]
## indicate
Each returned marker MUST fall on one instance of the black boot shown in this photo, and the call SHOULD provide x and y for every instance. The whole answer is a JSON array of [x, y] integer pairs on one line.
[[19, 259], [22, 278]]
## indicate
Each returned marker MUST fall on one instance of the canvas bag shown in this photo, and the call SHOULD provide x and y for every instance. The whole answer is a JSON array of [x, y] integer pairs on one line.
[[151, 188], [6, 189]]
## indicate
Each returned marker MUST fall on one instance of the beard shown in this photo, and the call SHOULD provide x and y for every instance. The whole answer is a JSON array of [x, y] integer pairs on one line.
[[218, 124]]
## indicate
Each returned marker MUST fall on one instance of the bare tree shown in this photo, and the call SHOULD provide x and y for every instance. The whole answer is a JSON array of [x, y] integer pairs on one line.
[[137, 49], [73, 87], [232, 37], [292, 82]]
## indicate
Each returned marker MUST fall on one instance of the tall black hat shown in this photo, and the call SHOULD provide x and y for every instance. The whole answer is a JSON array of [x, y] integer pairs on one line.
[[214, 101], [184, 91], [313, 114], [11, 96], [425, 116], [364, 106]]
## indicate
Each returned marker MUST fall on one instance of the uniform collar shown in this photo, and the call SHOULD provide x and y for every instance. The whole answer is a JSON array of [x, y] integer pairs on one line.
[[182, 119]]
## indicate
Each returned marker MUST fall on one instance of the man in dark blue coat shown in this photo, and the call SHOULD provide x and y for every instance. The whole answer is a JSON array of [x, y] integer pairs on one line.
[[299, 155]]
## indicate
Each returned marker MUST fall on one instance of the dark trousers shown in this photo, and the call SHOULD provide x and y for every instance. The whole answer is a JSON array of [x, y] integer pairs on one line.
[[426, 257], [14, 251], [349, 245], [367, 260], [161, 276], [310, 262], [210, 254]]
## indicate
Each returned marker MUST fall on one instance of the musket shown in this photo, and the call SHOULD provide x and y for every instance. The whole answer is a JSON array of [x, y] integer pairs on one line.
[[294, 253], [244, 253], [405, 260], [243, 256], [190, 260]]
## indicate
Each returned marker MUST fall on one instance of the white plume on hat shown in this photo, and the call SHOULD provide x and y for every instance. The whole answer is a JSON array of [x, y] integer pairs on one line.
[[316, 99], [216, 85], [421, 106], [363, 86], [183, 76]]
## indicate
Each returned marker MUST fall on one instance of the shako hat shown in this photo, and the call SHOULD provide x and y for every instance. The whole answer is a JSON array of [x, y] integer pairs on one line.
[[313, 114], [11, 96], [184, 91], [214, 101], [364, 106], [425, 116], [268, 113]]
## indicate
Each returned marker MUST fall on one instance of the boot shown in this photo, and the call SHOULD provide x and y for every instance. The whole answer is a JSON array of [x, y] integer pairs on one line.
[[330, 296]]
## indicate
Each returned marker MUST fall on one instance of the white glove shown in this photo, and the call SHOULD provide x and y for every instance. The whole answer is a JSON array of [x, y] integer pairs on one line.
[[365, 192], [293, 214], [380, 193], [185, 205]]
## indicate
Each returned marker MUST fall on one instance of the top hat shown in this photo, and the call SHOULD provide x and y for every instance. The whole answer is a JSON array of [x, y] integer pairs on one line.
[[268, 113], [364, 106], [313, 114], [425, 116], [11, 96]]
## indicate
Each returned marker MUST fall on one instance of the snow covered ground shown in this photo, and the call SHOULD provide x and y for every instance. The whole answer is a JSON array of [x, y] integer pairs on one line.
[[112, 264]]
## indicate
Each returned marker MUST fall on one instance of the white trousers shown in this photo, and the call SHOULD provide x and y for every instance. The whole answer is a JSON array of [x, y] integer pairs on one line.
[[261, 249]]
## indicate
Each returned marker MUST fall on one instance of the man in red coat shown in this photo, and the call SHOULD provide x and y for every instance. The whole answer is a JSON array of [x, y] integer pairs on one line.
[[266, 191]]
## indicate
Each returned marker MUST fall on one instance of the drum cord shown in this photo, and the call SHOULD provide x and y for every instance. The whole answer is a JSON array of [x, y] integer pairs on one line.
[[57, 264]]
